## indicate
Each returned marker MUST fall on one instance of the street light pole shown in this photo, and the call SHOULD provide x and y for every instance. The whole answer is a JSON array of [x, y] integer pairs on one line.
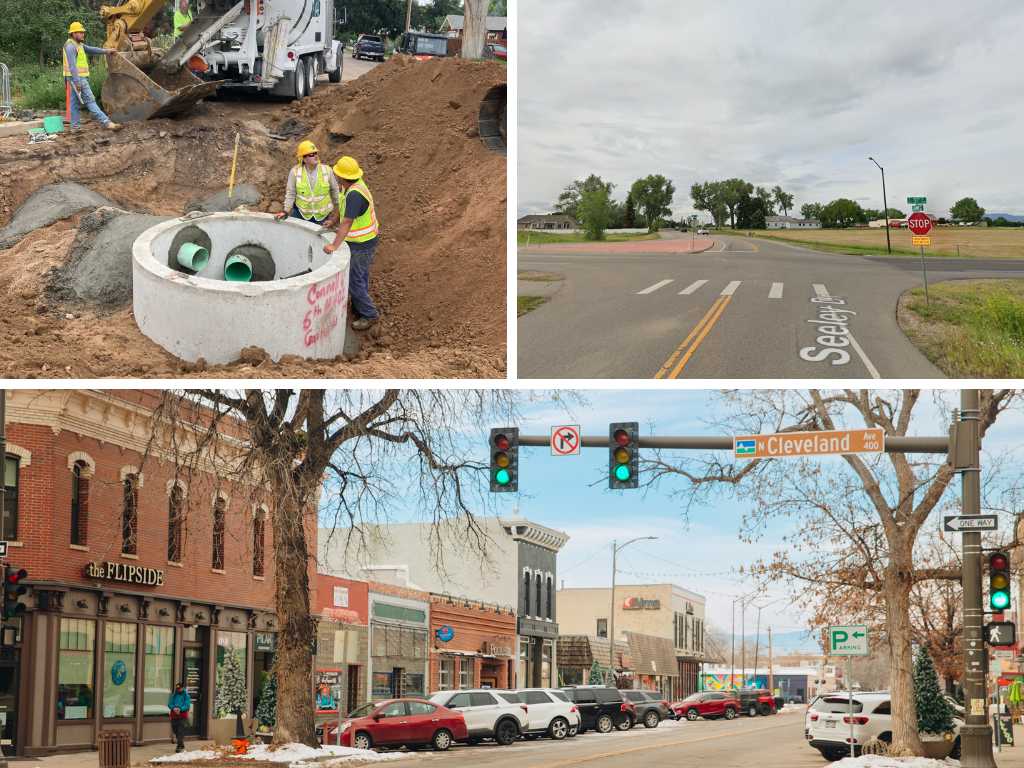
[[611, 618], [885, 203]]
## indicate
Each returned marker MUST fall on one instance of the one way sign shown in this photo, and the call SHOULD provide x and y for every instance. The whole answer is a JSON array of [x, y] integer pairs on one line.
[[970, 523], [1000, 633]]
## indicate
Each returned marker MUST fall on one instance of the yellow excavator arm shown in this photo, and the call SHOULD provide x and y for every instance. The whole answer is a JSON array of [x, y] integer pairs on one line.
[[130, 17]]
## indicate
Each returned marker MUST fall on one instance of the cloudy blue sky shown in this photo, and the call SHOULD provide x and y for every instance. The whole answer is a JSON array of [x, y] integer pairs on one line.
[[790, 92], [701, 552]]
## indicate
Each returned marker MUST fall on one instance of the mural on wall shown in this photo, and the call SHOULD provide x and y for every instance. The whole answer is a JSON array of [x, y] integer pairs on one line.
[[727, 682]]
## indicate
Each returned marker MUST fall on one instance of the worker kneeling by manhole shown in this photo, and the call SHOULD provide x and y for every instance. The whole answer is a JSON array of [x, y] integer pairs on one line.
[[209, 285]]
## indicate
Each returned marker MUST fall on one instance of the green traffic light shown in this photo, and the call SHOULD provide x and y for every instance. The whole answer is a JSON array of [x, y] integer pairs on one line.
[[622, 473], [502, 477], [1000, 600]]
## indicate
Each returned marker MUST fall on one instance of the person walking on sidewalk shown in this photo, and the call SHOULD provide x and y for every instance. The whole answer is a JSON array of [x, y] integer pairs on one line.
[[76, 78], [360, 229], [312, 193], [179, 704]]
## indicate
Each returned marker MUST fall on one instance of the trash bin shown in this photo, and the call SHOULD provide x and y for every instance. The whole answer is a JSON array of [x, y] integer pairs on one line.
[[115, 748]]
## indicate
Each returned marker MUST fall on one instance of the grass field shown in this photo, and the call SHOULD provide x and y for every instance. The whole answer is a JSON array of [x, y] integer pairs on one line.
[[36, 87], [980, 242], [526, 304], [524, 237], [970, 329]]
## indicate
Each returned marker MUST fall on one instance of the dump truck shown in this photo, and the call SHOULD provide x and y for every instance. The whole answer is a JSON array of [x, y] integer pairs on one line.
[[276, 47]]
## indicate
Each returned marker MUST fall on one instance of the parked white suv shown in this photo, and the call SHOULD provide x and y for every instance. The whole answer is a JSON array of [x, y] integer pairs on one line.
[[829, 723], [549, 711], [487, 716]]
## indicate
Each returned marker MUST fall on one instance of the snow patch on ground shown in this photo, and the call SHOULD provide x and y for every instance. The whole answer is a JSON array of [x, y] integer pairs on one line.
[[187, 757], [877, 761], [294, 755]]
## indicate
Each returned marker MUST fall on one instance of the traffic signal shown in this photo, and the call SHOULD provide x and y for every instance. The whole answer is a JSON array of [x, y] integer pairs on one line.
[[623, 454], [504, 447], [13, 589], [999, 581]]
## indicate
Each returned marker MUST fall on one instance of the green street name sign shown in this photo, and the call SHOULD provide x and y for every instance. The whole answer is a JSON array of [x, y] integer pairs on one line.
[[917, 200], [917, 207], [851, 640]]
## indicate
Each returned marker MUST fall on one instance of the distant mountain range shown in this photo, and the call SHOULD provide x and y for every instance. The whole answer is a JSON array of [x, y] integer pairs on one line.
[[1007, 216]]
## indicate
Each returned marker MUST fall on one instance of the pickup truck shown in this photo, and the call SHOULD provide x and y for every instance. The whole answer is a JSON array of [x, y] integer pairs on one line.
[[756, 701]]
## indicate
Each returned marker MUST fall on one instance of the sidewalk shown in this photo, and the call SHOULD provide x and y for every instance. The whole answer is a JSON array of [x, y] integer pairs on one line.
[[140, 755]]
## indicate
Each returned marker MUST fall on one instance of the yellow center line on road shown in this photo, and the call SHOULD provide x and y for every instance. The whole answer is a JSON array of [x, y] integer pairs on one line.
[[671, 369], [648, 747]]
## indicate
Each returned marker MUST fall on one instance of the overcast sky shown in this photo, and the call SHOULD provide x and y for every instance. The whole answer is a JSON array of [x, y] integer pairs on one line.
[[797, 93]]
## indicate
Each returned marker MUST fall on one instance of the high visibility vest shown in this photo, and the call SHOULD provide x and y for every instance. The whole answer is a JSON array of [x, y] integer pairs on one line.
[[365, 227], [181, 20], [313, 203], [81, 61]]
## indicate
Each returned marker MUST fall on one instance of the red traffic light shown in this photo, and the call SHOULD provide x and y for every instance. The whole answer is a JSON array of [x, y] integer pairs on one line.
[[621, 437], [15, 576], [501, 442], [998, 562]]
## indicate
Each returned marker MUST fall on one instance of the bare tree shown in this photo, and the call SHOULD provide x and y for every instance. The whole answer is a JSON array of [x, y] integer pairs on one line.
[[344, 455], [474, 29], [855, 519]]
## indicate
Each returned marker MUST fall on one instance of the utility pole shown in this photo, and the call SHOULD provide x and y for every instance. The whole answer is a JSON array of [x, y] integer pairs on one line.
[[732, 663], [885, 203], [771, 669], [408, 15], [611, 617], [757, 640], [976, 733]]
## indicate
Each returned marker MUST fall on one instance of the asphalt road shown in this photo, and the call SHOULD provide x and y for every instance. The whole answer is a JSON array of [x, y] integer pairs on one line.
[[765, 742], [745, 309]]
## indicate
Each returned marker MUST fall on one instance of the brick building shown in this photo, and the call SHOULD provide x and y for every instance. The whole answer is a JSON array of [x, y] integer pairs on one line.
[[399, 624], [341, 607], [473, 644], [139, 575]]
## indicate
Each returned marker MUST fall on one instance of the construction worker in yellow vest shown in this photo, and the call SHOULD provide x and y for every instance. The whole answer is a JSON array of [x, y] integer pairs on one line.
[[182, 18], [360, 230], [76, 78], [312, 193]]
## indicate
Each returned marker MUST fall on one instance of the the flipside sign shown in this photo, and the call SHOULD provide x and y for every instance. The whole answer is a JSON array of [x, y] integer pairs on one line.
[[125, 573]]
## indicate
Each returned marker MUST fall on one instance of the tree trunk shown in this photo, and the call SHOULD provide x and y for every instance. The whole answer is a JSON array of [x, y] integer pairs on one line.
[[897, 586], [474, 29], [293, 659]]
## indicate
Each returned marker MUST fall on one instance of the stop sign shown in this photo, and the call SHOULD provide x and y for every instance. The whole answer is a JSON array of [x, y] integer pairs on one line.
[[919, 223]]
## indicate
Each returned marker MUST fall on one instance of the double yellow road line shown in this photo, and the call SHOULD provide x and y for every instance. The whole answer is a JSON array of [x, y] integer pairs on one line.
[[682, 354]]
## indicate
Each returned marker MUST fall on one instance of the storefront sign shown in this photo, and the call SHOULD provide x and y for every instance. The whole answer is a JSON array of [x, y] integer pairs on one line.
[[445, 633], [266, 642], [127, 574], [118, 672], [640, 604], [499, 648]]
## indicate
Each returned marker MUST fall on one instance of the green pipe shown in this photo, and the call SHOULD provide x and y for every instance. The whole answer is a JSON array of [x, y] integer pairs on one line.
[[237, 269], [192, 256]]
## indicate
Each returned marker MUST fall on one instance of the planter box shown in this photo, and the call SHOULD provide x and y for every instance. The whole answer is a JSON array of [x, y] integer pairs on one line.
[[937, 748]]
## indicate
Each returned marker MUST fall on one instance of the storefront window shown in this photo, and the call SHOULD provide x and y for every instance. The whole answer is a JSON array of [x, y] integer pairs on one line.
[[545, 662], [465, 673], [9, 521], [158, 670], [412, 684], [447, 673], [381, 684], [75, 669], [228, 643], [119, 670]]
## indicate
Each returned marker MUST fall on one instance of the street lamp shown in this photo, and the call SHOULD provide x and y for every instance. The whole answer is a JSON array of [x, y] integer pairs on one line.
[[611, 619], [885, 204]]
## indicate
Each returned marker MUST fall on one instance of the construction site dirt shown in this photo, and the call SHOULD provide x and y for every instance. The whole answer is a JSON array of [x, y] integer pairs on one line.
[[440, 272]]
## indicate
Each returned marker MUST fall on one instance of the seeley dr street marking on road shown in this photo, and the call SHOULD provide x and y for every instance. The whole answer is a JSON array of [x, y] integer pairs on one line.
[[833, 317], [731, 733], [671, 369]]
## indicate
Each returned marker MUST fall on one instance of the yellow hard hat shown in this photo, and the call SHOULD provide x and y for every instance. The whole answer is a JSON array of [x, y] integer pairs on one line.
[[76, 26], [305, 148], [347, 168]]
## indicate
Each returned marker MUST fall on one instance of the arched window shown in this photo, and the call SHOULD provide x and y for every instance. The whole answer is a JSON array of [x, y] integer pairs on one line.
[[540, 604], [550, 613], [130, 515], [258, 525], [526, 593], [79, 503], [219, 512], [175, 523]]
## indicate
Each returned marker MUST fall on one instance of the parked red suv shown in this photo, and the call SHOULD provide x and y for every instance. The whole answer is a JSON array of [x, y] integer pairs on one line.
[[396, 723], [707, 704]]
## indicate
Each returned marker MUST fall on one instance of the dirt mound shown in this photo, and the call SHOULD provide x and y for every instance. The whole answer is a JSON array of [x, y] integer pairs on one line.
[[242, 194], [99, 268], [439, 277], [49, 204]]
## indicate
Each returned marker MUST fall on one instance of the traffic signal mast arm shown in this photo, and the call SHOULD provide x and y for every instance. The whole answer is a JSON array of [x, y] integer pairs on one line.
[[893, 444]]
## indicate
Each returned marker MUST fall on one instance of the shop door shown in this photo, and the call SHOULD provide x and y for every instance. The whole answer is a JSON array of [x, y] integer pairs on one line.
[[9, 705], [195, 684], [352, 695]]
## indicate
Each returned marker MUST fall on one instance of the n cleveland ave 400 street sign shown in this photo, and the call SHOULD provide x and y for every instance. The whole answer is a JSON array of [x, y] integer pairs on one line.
[[789, 445]]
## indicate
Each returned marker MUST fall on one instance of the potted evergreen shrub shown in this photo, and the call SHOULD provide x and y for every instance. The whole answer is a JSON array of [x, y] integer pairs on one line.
[[231, 697], [934, 715]]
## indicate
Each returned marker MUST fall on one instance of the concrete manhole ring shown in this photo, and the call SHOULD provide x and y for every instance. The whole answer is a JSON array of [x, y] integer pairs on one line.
[[296, 304]]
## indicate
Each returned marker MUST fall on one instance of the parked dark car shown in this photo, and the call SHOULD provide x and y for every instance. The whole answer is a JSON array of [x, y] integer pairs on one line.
[[397, 723], [707, 704], [756, 701], [651, 708], [369, 47], [422, 45], [602, 708]]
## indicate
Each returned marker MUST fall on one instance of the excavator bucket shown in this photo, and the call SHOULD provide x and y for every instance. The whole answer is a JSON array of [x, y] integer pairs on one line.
[[130, 94], [492, 118]]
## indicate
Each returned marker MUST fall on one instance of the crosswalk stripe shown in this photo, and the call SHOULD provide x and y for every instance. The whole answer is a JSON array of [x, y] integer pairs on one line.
[[692, 287], [654, 287], [776, 291], [820, 289], [730, 289]]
